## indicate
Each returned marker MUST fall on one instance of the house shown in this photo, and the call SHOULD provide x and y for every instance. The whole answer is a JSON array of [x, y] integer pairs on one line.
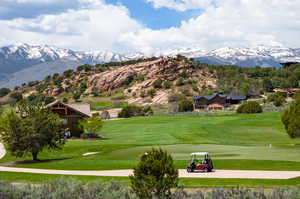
[[288, 92], [218, 101], [71, 114]]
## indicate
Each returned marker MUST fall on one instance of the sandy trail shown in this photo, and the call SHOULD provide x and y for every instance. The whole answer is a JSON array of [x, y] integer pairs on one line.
[[245, 174], [2, 151]]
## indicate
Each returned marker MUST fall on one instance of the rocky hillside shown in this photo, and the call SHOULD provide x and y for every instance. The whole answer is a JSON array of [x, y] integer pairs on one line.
[[151, 81]]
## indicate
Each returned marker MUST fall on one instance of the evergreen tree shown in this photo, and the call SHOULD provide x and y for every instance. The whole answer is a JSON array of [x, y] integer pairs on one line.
[[155, 175], [291, 119]]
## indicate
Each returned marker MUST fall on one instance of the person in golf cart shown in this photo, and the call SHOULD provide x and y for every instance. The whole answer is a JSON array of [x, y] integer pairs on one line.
[[195, 165]]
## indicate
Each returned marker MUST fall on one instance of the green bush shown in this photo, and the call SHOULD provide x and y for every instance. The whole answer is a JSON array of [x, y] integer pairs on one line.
[[131, 110], [277, 99], [151, 93], [157, 83], [180, 82], [17, 96], [291, 119], [155, 175], [167, 84], [4, 91], [250, 107], [186, 106], [177, 97]]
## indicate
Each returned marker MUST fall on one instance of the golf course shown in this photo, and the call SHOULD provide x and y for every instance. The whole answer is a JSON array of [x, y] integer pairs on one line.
[[235, 142]]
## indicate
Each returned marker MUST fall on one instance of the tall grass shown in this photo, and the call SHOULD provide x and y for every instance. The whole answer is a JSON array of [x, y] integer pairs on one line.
[[71, 189]]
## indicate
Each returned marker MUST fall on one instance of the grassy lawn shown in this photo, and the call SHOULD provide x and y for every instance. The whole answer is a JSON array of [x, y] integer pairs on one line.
[[256, 142], [187, 182]]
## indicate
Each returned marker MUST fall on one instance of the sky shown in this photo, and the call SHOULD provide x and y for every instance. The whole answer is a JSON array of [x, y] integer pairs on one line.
[[149, 26]]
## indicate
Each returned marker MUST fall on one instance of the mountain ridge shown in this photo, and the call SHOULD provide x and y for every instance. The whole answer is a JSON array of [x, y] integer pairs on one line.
[[22, 63]]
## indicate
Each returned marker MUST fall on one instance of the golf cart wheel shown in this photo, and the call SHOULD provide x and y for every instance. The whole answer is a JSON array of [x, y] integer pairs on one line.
[[206, 170], [189, 170]]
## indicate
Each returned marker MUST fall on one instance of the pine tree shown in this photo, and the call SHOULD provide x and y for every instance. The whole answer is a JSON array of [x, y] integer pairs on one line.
[[291, 119], [155, 175]]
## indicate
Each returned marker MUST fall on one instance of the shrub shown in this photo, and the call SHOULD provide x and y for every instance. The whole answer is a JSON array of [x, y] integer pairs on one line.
[[291, 119], [130, 110], [186, 106], [17, 96], [68, 73], [277, 99], [157, 83], [177, 97], [105, 115], [4, 91], [65, 100], [49, 99], [118, 96], [147, 111], [151, 93], [180, 82], [142, 94], [155, 175], [76, 96], [92, 126], [250, 107], [167, 84]]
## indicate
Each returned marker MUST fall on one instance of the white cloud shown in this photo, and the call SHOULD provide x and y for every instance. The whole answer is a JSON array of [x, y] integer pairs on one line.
[[97, 26], [229, 23], [181, 5]]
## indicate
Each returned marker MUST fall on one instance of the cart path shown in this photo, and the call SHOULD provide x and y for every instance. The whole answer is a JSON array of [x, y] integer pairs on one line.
[[245, 174], [2, 150]]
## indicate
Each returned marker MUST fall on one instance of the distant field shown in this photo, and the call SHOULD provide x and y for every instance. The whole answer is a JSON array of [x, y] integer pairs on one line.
[[256, 142]]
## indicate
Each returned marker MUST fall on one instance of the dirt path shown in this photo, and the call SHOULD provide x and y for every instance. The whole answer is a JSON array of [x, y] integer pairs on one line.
[[182, 173], [2, 151]]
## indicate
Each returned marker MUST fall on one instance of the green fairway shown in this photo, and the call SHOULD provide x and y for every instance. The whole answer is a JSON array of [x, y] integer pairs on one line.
[[256, 142]]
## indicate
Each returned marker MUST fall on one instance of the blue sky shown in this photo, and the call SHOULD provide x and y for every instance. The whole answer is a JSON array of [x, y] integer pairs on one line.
[[155, 18], [149, 26]]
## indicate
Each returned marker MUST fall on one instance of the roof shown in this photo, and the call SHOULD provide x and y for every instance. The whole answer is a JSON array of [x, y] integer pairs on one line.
[[200, 153], [83, 109], [232, 97]]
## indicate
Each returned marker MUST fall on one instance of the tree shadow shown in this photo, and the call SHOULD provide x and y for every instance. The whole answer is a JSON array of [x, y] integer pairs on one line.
[[32, 161]]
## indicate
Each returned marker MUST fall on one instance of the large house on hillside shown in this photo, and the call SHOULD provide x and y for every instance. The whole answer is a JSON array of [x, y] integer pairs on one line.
[[218, 101], [71, 114]]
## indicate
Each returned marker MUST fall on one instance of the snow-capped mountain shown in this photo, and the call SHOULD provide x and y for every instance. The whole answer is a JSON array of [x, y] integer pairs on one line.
[[263, 56], [22, 63]]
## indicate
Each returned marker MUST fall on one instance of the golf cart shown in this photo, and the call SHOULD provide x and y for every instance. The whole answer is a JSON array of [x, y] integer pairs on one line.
[[200, 161]]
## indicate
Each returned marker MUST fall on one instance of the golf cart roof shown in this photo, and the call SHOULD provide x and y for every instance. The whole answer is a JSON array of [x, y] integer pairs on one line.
[[199, 153]]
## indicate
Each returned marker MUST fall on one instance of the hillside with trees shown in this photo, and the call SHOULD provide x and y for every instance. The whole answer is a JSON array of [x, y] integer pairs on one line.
[[153, 81]]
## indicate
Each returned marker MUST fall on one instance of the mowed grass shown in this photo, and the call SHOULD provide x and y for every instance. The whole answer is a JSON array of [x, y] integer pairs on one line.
[[256, 142]]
